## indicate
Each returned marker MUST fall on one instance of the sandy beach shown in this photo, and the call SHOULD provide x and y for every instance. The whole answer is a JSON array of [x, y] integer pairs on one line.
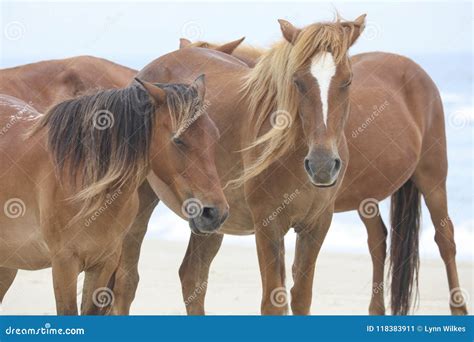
[[342, 284]]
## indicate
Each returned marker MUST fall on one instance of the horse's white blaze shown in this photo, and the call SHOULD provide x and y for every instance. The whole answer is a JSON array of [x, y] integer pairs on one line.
[[323, 69]]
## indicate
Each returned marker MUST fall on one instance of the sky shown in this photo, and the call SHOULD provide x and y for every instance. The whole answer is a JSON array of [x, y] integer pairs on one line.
[[134, 33]]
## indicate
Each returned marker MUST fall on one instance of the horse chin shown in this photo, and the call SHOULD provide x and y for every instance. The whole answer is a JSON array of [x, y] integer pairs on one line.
[[324, 185], [195, 230]]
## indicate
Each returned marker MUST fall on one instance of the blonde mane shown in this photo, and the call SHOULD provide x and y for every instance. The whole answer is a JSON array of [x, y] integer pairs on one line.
[[269, 89]]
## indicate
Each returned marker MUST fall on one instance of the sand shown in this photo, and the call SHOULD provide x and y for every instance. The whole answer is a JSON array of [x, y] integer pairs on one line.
[[342, 284]]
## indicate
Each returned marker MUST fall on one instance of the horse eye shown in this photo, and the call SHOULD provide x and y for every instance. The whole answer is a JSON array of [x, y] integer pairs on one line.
[[299, 85], [179, 142], [346, 84]]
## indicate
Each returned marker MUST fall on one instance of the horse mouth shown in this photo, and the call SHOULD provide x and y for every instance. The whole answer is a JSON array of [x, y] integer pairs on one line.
[[317, 185]]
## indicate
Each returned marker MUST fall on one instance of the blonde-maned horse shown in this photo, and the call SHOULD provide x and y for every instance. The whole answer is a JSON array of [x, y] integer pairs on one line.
[[282, 144], [432, 185], [373, 174], [70, 177]]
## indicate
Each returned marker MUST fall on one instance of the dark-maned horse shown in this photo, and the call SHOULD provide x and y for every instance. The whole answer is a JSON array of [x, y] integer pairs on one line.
[[45, 83], [70, 177]]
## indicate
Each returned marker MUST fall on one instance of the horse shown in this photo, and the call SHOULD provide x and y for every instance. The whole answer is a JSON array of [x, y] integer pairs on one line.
[[70, 178], [246, 53], [288, 149], [45, 83], [383, 105], [432, 185]]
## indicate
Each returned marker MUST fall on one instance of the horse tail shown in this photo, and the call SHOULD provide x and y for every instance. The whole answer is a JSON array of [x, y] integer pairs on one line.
[[405, 215]]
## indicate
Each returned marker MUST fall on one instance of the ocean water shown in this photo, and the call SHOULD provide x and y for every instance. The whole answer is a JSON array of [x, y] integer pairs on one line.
[[453, 74]]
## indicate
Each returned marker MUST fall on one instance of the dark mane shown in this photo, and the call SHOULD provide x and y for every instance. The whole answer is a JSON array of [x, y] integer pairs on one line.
[[101, 142]]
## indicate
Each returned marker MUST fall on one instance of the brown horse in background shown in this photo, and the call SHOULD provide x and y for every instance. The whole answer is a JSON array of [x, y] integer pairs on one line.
[[404, 219], [246, 53], [45, 83], [379, 121], [287, 147], [70, 178]]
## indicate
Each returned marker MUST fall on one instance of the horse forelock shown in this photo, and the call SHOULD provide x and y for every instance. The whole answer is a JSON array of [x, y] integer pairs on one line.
[[185, 106]]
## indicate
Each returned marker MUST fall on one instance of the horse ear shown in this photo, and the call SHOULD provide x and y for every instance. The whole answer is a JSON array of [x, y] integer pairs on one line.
[[183, 42], [200, 85], [157, 94], [230, 47], [289, 31], [359, 25]]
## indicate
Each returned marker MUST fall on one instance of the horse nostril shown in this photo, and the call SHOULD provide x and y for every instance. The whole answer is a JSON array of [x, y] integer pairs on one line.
[[337, 164], [306, 166], [209, 213]]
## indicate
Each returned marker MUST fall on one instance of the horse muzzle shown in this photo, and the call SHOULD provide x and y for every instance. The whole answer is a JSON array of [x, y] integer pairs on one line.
[[323, 168], [209, 220]]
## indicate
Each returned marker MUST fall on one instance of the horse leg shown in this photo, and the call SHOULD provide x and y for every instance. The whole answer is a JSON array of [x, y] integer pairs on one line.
[[377, 241], [7, 276], [194, 270], [271, 259], [97, 297], [127, 277], [308, 244], [65, 271], [436, 201]]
